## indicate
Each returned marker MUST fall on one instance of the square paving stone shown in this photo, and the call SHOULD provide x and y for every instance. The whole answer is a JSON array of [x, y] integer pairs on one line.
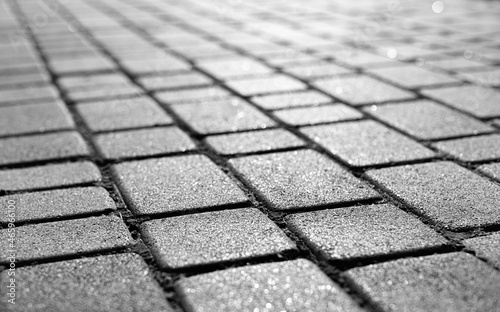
[[237, 67], [261, 85], [455, 64], [492, 170], [175, 184], [28, 95], [253, 141], [64, 238], [284, 286], [486, 247], [479, 101], [298, 179], [56, 203], [123, 114], [102, 86], [291, 99], [428, 120], [192, 95], [489, 77], [34, 118], [363, 231], [413, 77], [455, 282], [367, 143], [143, 142], [42, 147], [23, 80], [359, 90], [212, 237], [317, 70], [167, 63], [478, 148], [69, 66], [229, 115], [116, 283], [450, 195], [316, 115], [190, 79], [64, 174], [95, 80]]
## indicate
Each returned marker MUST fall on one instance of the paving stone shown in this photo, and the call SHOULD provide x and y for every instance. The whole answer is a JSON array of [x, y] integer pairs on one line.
[[192, 95], [42, 147], [448, 194], [455, 64], [229, 115], [34, 118], [175, 184], [143, 142], [413, 77], [291, 99], [363, 231], [300, 179], [317, 70], [212, 237], [284, 286], [492, 170], [261, 85], [94, 80], [23, 80], [360, 90], [190, 79], [253, 141], [428, 120], [231, 68], [123, 114], [476, 100], [472, 149], [28, 95], [57, 203], [489, 78], [64, 174], [486, 247], [358, 58], [167, 63], [455, 282], [64, 238], [68, 66], [316, 115], [367, 143], [115, 283]]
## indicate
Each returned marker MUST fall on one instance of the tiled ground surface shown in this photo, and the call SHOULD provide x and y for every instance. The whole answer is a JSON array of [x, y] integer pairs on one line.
[[249, 155]]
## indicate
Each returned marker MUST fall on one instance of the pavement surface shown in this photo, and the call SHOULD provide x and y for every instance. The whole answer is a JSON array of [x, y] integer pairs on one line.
[[249, 156]]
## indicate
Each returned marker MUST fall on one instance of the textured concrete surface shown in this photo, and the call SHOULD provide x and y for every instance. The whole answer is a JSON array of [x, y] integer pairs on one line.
[[284, 286], [492, 170], [413, 77], [486, 247], [317, 115], [292, 99], [213, 237], [450, 282], [479, 148], [255, 86]]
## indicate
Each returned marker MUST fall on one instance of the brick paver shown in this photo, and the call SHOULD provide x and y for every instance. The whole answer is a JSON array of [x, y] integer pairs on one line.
[[293, 99], [413, 77], [262, 85], [182, 80], [486, 247], [213, 237], [28, 95], [316, 115], [492, 170], [478, 148]]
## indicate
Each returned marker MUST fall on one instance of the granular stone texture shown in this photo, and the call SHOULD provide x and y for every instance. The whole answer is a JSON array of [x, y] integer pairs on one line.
[[192, 95], [479, 101], [413, 77], [486, 247], [478, 148], [428, 120], [47, 176], [253, 141], [116, 283], [229, 115], [42, 147], [230, 68], [28, 95], [167, 63], [123, 114], [143, 142], [367, 143], [175, 184], [492, 170], [360, 90], [65, 66], [284, 286], [158, 82], [298, 179], [212, 237], [34, 118], [56, 204], [317, 70], [455, 282], [363, 231], [261, 85], [291, 99], [450, 195], [64, 238], [316, 115]]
